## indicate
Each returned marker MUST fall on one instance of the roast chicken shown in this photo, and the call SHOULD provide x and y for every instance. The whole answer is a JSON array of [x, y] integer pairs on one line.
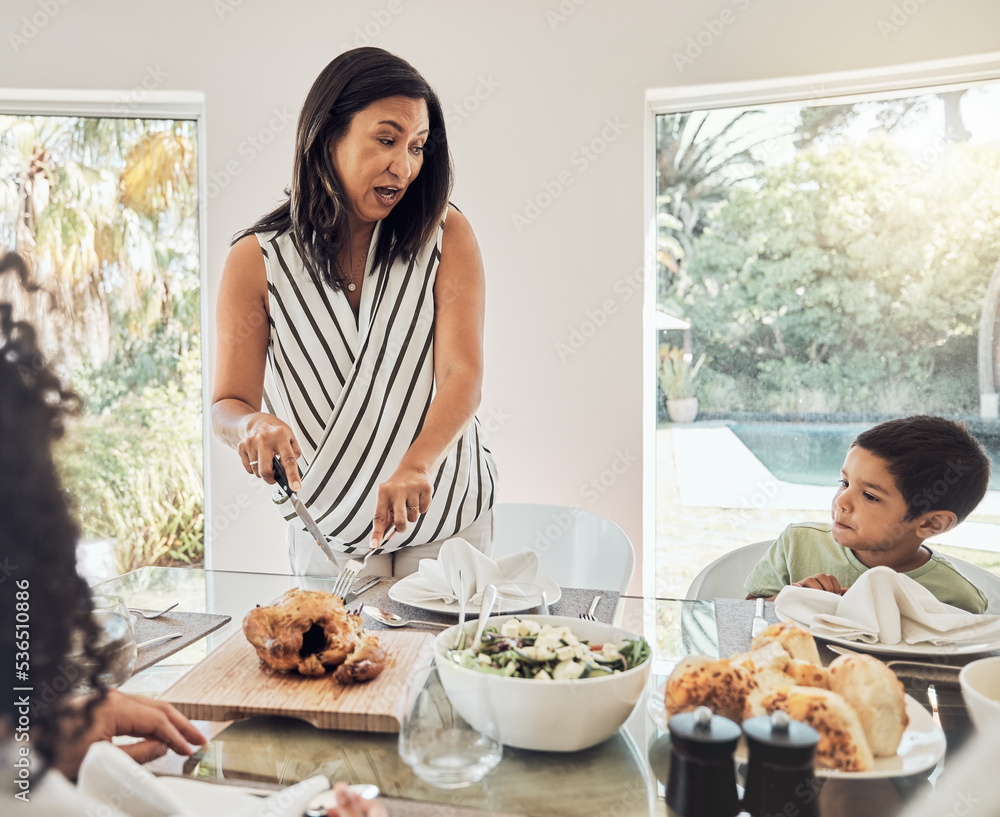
[[310, 631]]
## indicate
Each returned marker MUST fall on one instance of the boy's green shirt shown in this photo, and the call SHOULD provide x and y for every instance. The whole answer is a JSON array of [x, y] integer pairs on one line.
[[804, 550]]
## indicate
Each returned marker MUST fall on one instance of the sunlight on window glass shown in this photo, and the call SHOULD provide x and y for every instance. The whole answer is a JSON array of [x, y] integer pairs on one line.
[[106, 210]]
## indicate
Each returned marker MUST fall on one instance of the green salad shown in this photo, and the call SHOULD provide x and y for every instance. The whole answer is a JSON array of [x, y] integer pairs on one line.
[[523, 648]]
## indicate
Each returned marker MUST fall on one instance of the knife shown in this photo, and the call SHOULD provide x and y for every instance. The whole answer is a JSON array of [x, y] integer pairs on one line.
[[759, 622], [353, 594], [282, 479], [158, 640]]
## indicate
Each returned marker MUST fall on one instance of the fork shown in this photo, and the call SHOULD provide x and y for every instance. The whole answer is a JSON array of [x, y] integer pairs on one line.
[[351, 571], [589, 615], [153, 615]]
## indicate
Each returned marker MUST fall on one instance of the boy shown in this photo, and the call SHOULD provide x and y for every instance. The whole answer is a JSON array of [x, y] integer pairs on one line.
[[903, 482]]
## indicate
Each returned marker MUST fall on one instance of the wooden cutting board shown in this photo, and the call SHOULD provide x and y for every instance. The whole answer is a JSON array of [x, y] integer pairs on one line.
[[232, 683]]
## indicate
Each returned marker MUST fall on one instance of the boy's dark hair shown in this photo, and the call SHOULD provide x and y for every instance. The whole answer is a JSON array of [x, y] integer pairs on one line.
[[937, 464]]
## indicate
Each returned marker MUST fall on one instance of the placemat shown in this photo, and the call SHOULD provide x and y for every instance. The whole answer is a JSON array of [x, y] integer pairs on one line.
[[573, 602], [734, 620], [192, 627]]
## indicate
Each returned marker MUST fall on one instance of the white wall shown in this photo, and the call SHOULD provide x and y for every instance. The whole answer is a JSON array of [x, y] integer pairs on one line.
[[551, 76]]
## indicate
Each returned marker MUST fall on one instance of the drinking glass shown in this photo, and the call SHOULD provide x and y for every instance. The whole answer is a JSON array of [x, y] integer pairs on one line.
[[441, 747], [115, 639]]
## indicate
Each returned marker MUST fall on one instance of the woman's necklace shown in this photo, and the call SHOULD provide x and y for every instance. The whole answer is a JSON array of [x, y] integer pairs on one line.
[[357, 268], [361, 262]]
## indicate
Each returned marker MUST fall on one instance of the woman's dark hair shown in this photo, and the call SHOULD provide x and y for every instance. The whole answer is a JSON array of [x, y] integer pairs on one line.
[[316, 210], [39, 583], [937, 464]]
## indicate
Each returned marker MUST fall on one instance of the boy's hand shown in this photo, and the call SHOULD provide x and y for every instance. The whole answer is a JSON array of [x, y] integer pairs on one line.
[[822, 581]]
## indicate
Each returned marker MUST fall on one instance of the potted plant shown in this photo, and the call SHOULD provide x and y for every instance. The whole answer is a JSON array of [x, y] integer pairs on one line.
[[677, 375]]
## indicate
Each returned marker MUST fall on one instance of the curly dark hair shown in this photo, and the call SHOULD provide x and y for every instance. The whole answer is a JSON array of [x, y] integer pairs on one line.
[[315, 209], [39, 583]]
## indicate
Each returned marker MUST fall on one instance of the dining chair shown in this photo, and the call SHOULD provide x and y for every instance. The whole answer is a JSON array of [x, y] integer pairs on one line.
[[982, 578], [723, 578], [576, 548]]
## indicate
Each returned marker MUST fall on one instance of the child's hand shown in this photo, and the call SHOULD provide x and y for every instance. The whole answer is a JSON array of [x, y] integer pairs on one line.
[[822, 581]]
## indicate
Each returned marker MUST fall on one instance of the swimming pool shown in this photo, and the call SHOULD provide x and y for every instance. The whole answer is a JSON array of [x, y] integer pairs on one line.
[[813, 453]]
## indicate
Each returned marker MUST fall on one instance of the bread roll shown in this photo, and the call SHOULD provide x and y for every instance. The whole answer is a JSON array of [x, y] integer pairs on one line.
[[702, 681], [877, 695], [842, 741], [799, 643], [765, 681], [770, 656], [808, 675]]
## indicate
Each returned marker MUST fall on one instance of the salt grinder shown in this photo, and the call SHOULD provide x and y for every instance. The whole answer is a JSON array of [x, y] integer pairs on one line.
[[781, 775], [702, 778]]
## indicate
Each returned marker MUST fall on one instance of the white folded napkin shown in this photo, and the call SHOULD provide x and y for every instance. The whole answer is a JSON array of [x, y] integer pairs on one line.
[[112, 777], [437, 579], [885, 607]]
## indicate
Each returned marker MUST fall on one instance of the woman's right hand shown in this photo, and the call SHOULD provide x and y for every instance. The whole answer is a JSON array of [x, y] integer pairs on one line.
[[266, 436]]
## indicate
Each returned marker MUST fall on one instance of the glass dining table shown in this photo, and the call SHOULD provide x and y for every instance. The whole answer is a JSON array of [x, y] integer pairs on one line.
[[625, 775]]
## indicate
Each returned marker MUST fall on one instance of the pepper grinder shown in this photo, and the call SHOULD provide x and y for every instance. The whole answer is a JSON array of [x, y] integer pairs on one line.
[[780, 767], [702, 778]]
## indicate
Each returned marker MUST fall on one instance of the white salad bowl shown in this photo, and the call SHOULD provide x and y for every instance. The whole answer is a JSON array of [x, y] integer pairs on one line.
[[547, 715]]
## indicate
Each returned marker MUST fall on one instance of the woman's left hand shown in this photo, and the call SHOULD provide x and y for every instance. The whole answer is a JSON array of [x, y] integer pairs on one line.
[[401, 500]]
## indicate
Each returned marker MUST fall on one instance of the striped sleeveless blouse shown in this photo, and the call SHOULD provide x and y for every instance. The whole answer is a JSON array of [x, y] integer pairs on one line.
[[355, 392]]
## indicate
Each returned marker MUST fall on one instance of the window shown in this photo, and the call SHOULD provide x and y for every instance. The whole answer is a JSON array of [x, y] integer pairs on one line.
[[831, 258], [105, 207]]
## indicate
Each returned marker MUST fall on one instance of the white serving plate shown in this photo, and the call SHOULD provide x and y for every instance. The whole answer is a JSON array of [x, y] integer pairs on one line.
[[503, 606]]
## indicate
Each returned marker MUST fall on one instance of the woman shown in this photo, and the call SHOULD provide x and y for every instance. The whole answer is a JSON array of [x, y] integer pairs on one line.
[[361, 298], [45, 730]]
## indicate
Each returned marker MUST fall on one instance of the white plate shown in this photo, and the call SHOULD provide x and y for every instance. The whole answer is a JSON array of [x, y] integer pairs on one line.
[[960, 648], [503, 606], [920, 748]]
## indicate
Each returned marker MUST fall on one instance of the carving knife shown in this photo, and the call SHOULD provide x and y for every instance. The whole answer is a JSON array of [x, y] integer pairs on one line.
[[282, 479], [759, 622]]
